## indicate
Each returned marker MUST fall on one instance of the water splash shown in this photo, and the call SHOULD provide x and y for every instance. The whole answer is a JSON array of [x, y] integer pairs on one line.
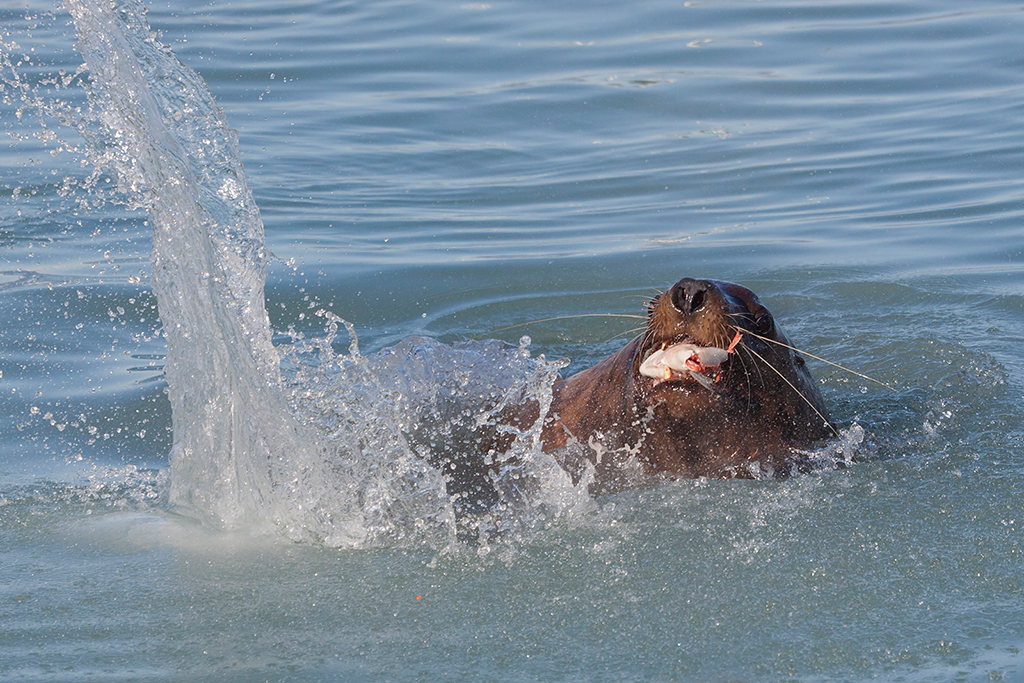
[[419, 417], [238, 451], [336, 448]]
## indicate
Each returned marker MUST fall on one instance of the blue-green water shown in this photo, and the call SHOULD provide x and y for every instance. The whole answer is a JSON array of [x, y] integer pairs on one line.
[[456, 169]]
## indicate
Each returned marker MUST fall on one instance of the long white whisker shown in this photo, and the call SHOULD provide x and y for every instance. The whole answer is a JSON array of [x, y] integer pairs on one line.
[[817, 358], [622, 334], [805, 399], [757, 368]]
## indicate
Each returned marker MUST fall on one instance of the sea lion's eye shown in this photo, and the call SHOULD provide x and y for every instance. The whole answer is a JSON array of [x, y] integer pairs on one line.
[[764, 323]]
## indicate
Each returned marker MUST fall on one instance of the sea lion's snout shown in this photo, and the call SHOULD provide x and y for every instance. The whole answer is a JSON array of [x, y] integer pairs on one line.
[[694, 312], [689, 295], [713, 305]]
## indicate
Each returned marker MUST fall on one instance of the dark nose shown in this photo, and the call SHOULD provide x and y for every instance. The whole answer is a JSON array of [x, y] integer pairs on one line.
[[689, 295]]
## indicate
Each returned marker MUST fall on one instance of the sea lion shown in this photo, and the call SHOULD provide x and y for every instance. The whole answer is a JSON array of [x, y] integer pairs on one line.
[[711, 388]]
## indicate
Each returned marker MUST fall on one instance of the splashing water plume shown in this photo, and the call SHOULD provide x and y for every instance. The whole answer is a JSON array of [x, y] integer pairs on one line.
[[231, 427], [321, 451]]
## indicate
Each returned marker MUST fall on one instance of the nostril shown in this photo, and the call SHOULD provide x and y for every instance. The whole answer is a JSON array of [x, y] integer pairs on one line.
[[696, 300], [679, 297]]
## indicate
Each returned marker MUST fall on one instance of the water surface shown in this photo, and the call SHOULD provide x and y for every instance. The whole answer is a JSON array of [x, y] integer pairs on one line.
[[458, 170]]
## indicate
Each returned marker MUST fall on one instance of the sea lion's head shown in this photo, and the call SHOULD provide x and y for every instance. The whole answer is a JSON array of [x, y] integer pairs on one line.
[[712, 388], [713, 352]]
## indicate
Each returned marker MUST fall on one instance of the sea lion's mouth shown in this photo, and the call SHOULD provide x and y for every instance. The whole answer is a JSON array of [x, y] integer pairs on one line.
[[685, 360]]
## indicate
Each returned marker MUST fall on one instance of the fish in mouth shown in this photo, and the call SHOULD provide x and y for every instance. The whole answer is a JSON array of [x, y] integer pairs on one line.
[[684, 360], [711, 388]]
